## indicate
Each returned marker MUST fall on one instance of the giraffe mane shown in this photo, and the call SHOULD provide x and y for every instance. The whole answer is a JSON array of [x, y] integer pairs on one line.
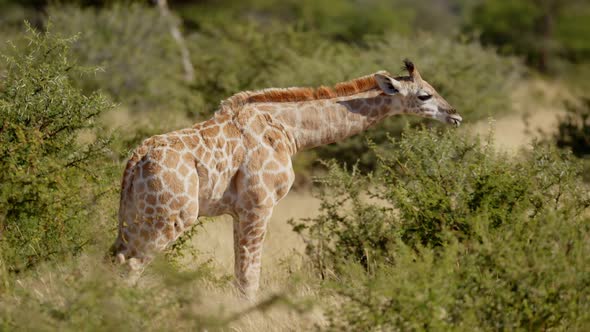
[[283, 95]]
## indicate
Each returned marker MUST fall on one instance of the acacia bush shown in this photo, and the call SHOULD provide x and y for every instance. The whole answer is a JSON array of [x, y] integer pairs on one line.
[[140, 61], [54, 165], [451, 234], [238, 55], [337, 20], [528, 276]]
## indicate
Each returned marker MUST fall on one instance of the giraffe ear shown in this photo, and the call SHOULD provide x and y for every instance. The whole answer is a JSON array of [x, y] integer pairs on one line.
[[414, 74], [389, 85]]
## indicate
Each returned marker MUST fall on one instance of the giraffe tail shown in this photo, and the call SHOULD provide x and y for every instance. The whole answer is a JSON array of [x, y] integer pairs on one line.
[[117, 249]]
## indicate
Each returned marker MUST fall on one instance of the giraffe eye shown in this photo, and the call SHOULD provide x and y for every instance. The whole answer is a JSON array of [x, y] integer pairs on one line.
[[424, 97]]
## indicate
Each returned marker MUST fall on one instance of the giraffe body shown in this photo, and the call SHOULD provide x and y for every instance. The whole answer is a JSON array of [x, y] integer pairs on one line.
[[239, 162]]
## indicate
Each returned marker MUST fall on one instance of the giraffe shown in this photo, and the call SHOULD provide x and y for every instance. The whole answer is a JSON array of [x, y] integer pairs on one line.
[[239, 161]]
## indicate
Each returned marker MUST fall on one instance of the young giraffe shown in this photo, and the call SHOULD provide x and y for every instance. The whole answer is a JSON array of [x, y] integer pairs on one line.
[[239, 162]]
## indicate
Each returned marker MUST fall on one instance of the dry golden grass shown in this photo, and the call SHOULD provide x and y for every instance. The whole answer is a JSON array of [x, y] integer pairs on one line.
[[215, 240], [537, 105], [283, 269]]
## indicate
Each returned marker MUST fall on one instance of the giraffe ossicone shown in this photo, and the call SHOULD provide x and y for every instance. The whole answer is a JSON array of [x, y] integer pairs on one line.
[[239, 161]]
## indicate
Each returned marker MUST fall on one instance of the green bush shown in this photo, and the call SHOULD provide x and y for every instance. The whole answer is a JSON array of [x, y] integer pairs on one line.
[[453, 235], [337, 20], [53, 161], [529, 276], [544, 32], [238, 55], [133, 45]]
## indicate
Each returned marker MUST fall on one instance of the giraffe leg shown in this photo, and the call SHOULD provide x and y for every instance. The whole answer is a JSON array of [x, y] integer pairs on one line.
[[236, 246], [249, 233]]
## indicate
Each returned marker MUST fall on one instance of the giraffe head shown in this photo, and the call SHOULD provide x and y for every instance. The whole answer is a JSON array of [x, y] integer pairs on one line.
[[417, 96]]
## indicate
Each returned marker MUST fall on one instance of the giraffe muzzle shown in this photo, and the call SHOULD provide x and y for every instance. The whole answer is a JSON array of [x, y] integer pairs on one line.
[[454, 119]]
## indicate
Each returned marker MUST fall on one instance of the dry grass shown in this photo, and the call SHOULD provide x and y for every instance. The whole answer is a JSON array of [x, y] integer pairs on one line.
[[284, 270], [537, 105], [215, 240]]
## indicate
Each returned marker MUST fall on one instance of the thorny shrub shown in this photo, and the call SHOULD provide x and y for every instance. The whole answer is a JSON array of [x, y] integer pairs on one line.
[[450, 234], [54, 162]]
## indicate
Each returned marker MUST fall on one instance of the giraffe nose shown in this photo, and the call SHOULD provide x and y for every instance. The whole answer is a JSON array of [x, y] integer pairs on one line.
[[454, 119]]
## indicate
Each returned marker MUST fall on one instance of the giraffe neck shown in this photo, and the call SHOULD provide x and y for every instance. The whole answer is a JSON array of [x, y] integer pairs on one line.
[[325, 121]]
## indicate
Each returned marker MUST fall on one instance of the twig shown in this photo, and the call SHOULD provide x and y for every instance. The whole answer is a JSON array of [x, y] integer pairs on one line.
[[189, 71]]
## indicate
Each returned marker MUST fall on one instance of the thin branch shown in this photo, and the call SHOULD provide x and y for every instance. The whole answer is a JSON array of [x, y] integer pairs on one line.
[[189, 71]]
